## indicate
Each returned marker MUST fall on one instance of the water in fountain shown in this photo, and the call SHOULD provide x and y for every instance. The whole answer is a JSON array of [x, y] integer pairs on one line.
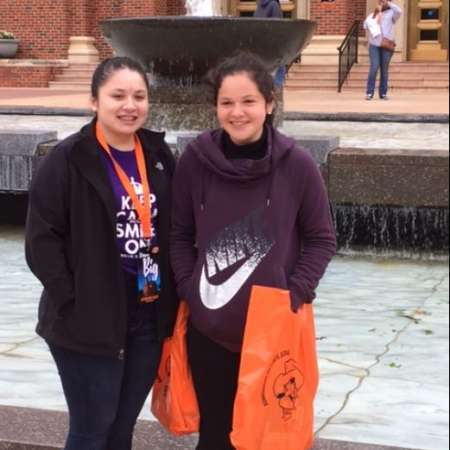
[[202, 8]]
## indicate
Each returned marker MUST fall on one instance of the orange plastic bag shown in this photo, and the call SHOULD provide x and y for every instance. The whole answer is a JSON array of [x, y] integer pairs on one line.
[[279, 376], [174, 401]]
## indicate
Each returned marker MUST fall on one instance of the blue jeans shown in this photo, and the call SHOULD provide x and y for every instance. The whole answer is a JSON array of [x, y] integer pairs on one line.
[[106, 395], [380, 59], [280, 77]]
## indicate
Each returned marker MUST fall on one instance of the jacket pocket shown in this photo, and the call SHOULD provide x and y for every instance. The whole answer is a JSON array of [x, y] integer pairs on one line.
[[65, 309]]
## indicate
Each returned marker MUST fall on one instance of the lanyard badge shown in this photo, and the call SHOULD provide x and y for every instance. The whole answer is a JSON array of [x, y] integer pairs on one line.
[[149, 279]]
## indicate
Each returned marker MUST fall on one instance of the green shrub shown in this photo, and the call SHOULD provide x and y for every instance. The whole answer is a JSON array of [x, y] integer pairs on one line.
[[6, 35]]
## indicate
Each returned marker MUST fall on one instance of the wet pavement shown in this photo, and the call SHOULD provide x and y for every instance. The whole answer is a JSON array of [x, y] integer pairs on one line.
[[383, 345]]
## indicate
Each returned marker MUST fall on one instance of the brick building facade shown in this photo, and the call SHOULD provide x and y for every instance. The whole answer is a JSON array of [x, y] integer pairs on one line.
[[45, 26], [45, 29], [336, 17]]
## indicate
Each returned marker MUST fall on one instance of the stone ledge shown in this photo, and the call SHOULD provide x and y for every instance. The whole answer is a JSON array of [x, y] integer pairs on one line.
[[23, 142], [34, 63], [45, 111], [402, 178], [367, 117], [32, 429], [17, 157]]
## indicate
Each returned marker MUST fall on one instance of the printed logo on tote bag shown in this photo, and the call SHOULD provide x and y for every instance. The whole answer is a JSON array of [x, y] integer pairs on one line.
[[283, 384]]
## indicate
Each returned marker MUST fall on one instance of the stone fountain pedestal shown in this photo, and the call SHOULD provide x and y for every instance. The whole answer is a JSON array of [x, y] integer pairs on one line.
[[189, 109], [180, 108]]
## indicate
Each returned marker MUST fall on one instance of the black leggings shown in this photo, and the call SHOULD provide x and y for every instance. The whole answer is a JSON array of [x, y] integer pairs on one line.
[[215, 371]]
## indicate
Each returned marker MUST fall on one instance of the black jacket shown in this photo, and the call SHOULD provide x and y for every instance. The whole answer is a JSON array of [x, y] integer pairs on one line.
[[71, 245]]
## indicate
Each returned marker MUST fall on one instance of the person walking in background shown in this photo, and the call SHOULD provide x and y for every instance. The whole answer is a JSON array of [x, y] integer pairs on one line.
[[271, 9], [380, 26], [250, 209], [97, 238]]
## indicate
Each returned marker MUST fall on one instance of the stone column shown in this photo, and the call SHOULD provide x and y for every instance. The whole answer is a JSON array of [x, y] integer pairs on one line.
[[82, 46]]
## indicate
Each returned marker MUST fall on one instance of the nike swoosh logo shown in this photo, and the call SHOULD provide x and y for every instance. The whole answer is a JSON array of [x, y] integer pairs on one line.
[[215, 297]]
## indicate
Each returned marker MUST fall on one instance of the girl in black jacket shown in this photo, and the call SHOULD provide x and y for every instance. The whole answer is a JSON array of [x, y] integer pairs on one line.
[[97, 238]]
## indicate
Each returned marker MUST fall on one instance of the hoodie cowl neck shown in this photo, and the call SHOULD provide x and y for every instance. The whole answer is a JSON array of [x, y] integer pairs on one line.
[[208, 149]]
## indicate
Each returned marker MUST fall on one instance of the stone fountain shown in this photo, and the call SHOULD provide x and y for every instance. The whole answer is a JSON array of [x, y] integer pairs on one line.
[[178, 52]]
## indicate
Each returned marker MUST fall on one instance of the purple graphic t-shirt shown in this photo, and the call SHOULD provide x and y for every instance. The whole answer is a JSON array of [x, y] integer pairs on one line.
[[128, 228]]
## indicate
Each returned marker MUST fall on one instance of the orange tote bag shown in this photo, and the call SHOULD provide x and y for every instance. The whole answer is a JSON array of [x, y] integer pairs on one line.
[[174, 401], [279, 376]]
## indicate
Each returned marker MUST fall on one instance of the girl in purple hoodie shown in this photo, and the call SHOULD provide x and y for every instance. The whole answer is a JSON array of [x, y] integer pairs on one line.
[[250, 208]]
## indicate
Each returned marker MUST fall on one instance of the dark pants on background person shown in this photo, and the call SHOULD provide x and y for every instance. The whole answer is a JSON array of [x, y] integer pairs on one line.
[[215, 371], [380, 59], [280, 77], [105, 395]]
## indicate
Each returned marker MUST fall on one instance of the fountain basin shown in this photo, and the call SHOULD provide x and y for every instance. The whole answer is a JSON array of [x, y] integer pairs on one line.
[[179, 48], [178, 51]]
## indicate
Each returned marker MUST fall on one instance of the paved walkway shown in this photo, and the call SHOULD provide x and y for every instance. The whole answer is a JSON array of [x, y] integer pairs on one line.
[[423, 103], [383, 343], [404, 136]]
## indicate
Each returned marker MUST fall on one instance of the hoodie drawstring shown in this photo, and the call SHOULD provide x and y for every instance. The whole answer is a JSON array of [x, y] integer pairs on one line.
[[269, 194], [270, 188], [202, 189]]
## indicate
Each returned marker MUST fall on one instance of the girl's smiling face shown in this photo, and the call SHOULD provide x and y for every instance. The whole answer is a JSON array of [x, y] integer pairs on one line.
[[122, 105], [242, 109]]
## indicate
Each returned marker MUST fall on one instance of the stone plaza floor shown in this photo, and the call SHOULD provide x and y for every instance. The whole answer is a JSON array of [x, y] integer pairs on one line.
[[383, 331], [383, 346], [414, 136]]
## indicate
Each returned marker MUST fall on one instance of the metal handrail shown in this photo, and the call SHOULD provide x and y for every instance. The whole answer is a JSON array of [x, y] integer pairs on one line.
[[348, 53]]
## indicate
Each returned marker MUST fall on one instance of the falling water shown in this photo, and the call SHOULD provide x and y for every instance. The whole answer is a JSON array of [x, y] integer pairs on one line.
[[202, 8], [404, 231]]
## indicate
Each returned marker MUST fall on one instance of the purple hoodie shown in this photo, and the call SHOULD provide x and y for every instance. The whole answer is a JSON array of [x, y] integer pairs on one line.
[[239, 223]]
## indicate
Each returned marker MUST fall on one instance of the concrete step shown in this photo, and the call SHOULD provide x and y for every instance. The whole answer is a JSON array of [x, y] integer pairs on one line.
[[365, 70], [315, 84], [291, 88], [297, 68], [314, 76], [90, 67], [83, 86], [362, 77], [405, 84], [405, 76], [361, 87], [68, 77], [395, 68], [75, 77], [78, 72]]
